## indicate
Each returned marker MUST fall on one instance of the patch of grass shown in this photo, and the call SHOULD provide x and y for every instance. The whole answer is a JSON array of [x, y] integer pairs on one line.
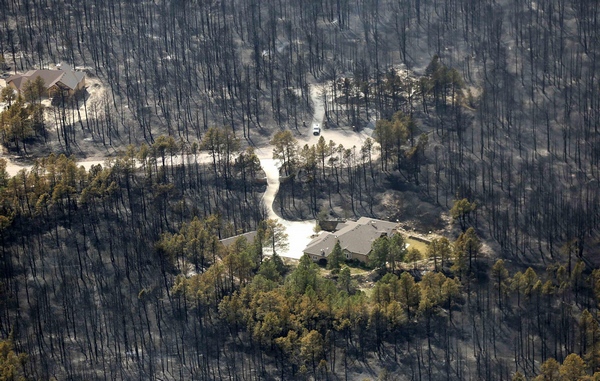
[[421, 246], [358, 271]]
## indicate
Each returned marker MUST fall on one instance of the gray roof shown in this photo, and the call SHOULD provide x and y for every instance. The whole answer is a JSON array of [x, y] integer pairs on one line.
[[354, 236], [70, 77], [65, 75], [249, 237]]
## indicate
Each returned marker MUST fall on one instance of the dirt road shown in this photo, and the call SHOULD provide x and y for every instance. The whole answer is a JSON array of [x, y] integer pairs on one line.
[[299, 232]]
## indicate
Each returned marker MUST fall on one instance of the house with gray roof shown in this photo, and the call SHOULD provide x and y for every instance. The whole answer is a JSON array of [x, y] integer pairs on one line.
[[355, 237], [62, 80], [249, 237]]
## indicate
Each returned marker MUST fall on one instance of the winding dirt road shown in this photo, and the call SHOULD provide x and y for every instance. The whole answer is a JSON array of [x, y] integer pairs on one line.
[[299, 232]]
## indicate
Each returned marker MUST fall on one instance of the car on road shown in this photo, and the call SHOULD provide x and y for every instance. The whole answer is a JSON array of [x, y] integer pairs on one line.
[[316, 129]]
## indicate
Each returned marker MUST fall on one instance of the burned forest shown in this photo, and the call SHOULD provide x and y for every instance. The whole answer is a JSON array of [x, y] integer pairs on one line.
[[165, 163]]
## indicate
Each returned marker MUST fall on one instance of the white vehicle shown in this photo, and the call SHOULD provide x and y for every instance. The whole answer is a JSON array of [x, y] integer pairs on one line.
[[316, 129]]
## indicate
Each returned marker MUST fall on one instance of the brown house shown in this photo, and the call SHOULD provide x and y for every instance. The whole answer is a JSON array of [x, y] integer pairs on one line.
[[355, 237], [64, 79]]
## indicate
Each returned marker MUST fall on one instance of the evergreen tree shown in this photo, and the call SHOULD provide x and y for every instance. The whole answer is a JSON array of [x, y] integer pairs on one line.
[[378, 257], [336, 258]]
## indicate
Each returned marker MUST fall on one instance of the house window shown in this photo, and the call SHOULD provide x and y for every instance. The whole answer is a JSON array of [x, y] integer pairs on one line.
[[348, 255]]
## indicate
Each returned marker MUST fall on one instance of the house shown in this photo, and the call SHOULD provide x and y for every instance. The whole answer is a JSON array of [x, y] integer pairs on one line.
[[63, 79], [355, 237], [249, 238]]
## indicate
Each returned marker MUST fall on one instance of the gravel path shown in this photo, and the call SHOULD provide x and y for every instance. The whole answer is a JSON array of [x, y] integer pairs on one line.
[[299, 232]]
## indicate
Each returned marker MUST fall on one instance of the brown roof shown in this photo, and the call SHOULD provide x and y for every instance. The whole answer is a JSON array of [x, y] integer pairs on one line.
[[64, 76], [354, 236]]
